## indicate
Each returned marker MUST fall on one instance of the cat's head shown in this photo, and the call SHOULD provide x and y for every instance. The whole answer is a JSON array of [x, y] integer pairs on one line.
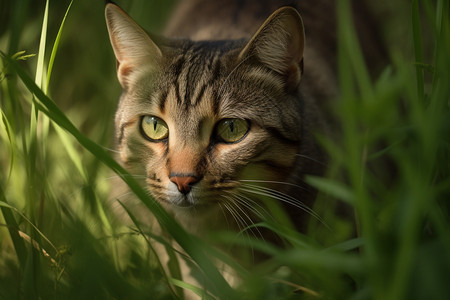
[[202, 120]]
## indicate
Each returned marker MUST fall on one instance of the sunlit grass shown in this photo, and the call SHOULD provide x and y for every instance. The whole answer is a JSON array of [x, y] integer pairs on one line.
[[59, 239]]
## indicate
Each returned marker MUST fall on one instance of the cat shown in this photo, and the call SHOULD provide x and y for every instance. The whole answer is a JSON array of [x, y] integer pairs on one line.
[[223, 109], [202, 117]]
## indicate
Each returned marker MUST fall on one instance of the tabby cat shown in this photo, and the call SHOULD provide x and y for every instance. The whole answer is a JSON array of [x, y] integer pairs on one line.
[[213, 117]]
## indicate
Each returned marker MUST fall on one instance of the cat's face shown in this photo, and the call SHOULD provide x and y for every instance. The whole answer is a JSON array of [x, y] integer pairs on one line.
[[200, 120]]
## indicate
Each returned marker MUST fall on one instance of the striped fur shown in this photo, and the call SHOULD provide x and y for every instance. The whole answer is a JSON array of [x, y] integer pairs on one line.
[[226, 59], [192, 85]]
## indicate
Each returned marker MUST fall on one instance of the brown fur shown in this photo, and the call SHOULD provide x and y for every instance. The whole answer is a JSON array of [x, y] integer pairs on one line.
[[219, 60]]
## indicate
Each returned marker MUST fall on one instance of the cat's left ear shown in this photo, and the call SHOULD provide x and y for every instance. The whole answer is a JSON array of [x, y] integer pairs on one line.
[[133, 48], [279, 45]]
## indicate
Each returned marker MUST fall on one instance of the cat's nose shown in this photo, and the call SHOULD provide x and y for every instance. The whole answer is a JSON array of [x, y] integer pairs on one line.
[[184, 182]]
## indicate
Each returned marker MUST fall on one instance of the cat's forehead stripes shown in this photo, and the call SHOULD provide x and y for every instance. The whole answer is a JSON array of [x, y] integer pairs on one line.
[[191, 73]]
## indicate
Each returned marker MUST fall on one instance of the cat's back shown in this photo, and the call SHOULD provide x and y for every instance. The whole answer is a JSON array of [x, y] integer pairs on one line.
[[235, 19], [219, 20]]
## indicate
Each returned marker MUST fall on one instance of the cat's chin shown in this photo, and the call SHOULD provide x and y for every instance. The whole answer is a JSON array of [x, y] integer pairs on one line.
[[191, 206], [197, 201], [186, 203]]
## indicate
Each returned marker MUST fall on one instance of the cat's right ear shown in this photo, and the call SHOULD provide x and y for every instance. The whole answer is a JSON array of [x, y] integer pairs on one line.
[[133, 48]]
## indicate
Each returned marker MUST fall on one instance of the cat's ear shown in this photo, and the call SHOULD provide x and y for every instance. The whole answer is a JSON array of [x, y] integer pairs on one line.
[[279, 45], [132, 46]]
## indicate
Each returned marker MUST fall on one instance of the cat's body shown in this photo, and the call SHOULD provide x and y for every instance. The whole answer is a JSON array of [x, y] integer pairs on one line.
[[213, 117]]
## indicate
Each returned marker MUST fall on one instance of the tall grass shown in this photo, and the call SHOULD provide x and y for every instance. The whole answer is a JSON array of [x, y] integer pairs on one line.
[[58, 238]]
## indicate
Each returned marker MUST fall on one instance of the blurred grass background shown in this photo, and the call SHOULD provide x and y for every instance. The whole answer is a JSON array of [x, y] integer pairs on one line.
[[52, 190]]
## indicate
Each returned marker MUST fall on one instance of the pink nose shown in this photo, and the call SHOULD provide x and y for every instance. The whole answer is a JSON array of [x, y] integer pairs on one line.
[[184, 183]]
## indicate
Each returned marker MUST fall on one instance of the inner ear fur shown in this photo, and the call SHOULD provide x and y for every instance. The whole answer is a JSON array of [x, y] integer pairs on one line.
[[132, 45]]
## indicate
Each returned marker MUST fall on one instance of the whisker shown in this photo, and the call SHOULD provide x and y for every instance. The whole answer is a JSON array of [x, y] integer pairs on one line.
[[234, 215], [242, 225], [125, 175], [252, 205], [265, 191], [311, 159], [225, 215], [111, 150], [274, 194], [245, 214], [275, 182]]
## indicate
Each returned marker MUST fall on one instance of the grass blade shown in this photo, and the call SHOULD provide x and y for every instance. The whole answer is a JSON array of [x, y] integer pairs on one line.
[[193, 246], [417, 40], [333, 188], [55, 47], [13, 229], [11, 138], [41, 54], [5, 204], [186, 286]]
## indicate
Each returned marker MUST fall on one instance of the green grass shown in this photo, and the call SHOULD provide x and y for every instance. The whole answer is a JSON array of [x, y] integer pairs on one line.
[[58, 239]]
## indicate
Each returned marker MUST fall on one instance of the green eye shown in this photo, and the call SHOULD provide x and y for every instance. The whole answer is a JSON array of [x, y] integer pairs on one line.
[[154, 128], [232, 130]]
